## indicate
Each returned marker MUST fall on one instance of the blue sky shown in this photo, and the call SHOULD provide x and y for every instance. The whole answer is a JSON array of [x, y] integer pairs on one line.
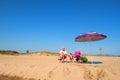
[[49, 25]]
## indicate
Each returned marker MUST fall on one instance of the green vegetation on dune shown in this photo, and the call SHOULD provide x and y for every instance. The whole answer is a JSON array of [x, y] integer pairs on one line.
[[8, 52]]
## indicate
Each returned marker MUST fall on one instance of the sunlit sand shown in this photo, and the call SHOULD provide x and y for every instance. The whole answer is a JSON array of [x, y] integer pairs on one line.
[[49, 68]]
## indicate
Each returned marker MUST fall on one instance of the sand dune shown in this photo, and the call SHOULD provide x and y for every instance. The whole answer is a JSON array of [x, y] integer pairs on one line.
[[49, 68]]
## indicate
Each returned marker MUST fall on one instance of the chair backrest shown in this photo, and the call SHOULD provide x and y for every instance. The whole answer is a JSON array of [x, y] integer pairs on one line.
[[77, 54]]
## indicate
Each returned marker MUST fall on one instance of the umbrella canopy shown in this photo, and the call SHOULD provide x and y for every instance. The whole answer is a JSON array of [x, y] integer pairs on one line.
[[90, 36]]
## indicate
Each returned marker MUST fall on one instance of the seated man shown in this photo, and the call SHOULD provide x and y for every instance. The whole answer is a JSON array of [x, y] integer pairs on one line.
[[77, 55], [63, 54]]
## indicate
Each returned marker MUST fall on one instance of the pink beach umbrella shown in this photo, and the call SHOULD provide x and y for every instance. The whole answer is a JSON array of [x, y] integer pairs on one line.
[[89, 37]]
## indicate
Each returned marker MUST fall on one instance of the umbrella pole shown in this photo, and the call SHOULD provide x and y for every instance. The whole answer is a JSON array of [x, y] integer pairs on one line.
[[91, 59]]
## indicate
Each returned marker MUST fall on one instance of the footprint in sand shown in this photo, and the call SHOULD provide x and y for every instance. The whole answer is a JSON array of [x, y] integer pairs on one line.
[[100, 74], [88, 75], [50, 74], [66, 71]]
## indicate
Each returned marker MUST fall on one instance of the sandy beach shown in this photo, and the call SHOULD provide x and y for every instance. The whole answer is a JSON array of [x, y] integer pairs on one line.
[[49, 68]]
